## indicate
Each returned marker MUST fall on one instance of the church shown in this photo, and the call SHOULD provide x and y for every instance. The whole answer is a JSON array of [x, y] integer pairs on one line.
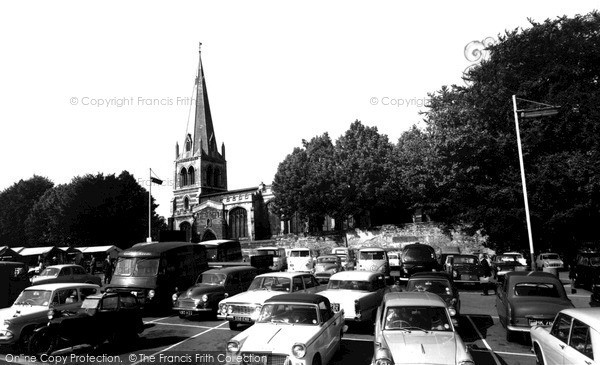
[[202, 206]]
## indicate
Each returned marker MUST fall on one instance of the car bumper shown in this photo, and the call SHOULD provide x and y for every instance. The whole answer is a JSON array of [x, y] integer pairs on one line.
[[197, 310], [234, 318]]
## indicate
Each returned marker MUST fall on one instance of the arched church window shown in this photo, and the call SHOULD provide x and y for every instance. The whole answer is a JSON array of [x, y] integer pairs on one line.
[[186, 203], [191, 175], [217, 177], [183, 177], [238, 223], [174, 205], [209, 176], [188, 143]]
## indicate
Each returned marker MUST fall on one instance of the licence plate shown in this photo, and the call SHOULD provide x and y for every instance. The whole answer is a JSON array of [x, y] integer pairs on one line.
[[242, 319], [540, 322], [186, 313]]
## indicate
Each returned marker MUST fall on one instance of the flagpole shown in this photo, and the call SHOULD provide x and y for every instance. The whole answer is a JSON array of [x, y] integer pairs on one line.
[[149, 239]]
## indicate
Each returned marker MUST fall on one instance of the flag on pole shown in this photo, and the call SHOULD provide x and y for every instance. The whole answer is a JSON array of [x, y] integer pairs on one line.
[[156, 181]]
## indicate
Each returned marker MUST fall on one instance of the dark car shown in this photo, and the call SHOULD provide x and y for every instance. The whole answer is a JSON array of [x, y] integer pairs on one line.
[[68, 273], [464, 269], [529, 298], [116, 317], [326, 266], [587, 270], [439, 283], [211, 287], [501, 264], [415, 258]]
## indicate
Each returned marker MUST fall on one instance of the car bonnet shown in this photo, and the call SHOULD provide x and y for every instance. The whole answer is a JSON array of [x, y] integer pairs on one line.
[[418, 347]]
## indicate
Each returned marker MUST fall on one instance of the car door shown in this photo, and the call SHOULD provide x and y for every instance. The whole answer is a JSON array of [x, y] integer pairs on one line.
[[330, 329], [79, 275], [554, 348], [65, 275], [580, 350], [65, 299], [297, 284], [501, 302]]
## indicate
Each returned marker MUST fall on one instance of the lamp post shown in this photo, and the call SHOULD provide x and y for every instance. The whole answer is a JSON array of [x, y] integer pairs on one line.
[[546, 110], [159, 182]]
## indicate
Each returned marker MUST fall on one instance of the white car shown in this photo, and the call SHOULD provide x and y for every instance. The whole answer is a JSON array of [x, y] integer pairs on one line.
[[30, 309], [518, 256], [357, 293], [574, 338], [548, 260], [296, 329], [416, 328], [245, 307]]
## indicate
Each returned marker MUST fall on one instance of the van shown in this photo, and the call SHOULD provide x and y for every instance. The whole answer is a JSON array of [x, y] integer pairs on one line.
[[153, 271], [417, 257], [302, 260], [373, 259], [279, 257], [223, 250]]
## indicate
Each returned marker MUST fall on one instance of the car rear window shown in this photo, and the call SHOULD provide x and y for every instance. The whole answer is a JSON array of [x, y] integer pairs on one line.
[[300, 254], [372, 255], [536, 290], [418, 254]]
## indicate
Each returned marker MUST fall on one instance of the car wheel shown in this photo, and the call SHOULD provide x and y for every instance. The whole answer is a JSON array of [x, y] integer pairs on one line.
[[41, 343], [26, 335], [539, 359], [232, 325]]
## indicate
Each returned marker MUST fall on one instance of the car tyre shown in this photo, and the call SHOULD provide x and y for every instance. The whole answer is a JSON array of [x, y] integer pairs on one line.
[[233, 325], [41, 343], [510, 336], [316, 360], [539, 359]]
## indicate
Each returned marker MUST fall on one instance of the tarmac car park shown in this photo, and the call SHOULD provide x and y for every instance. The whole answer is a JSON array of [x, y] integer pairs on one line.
[[167, 335]]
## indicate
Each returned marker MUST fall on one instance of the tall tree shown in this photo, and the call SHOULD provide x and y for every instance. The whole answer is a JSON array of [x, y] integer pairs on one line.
[[15, 204]]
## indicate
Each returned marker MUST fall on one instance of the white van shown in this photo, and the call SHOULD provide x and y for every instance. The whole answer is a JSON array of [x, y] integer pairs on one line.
[[302, 260], [279, 257], [373, 259]]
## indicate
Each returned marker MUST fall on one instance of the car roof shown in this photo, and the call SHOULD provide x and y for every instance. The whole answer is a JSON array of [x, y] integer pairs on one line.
[[371, 249], [55, 286], [283, 274], [463, 255], [431, 275], [228, 270], [590, 316], [405, 299], [60, 266], [355, 275], [153, 247], [512, 253], [329, 256], [522, 276], [298, 297], [215, 243], [269, 248]]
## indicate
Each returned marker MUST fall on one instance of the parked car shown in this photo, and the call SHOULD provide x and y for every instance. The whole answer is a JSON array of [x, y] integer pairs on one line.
[[417, 257], [326, 266], [291, 329], [502, 264], [574, 338], [464, 269], [13, 279], [439, 283], [279, 257], [549, 260], [68, 273], [357, 293], [211, 287], [416, 328], [587, 270], [30, 309], [245, 307], [529, 298], [114, 317], [518, 256]]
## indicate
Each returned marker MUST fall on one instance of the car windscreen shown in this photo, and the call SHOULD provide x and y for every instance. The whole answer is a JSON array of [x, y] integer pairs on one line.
[[350, 285], [271, 283], [34, 297], [410, 318], [465, 260], [213, 279], [326, 260], [536, 290], [417, 254], [372, 255], [428, 285], [392, 256], [300, 254], [505, 258], [50, 271], [136, 266], [303, 314], [550, 256]]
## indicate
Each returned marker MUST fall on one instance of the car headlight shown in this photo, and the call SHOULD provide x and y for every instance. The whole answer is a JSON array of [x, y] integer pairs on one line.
[[383, 356], [151, 294], [256, 313], [384, 362], [233, 346], [50, 314], [229, 309], [205, 298], [223, 309], [454, 273], [174, 297], [334, 271], [299, 350]]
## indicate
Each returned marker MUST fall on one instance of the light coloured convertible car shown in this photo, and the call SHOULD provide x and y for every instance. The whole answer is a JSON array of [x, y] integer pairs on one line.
[[357, 293], [294, 329], [245, 307], [574, 338], [416, 328]]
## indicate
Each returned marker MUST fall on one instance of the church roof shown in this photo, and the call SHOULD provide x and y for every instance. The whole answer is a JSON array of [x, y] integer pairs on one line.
[[204, 133]]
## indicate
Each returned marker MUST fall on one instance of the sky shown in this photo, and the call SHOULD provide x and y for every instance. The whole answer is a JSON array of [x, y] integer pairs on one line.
[[102, 87]]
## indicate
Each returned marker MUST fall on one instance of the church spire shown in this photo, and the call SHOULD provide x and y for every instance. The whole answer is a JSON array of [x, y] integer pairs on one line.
[[204, 134]]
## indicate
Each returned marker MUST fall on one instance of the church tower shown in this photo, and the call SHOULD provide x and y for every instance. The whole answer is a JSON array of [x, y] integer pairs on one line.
[[200, 168]]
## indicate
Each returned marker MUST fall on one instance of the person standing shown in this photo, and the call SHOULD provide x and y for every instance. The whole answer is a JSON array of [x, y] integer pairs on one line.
[[107, 267], [486, 273], [93, 265]]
